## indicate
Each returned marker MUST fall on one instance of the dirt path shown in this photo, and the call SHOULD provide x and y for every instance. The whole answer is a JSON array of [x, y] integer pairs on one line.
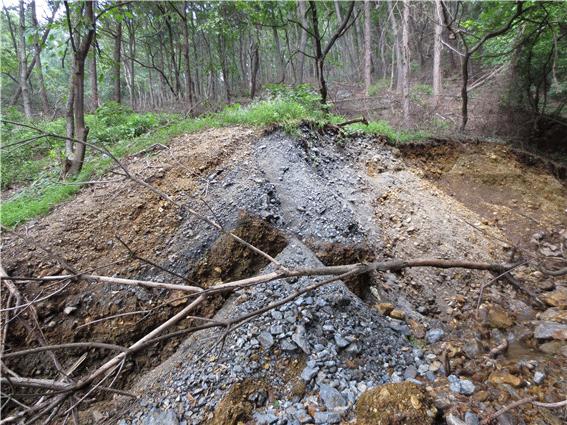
[[345, 203]]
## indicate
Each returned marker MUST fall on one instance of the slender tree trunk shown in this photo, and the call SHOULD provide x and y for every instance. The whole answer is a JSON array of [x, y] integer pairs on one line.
[[117, 58], [255, 66], [37, 48], [302, 40], [438, 23], [464, 90], [319, 57], [188, 81], [367, 47], [405, 62], [75, 152], [224, 67], [279, 53], [22, 59], [94, 81], [396, 47], [133, 68], [31, 66]]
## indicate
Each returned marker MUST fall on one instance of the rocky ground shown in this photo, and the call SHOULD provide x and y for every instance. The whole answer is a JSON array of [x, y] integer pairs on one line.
[[414, 345]]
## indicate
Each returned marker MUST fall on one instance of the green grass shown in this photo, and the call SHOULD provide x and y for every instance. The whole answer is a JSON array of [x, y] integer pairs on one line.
[[124, 133]]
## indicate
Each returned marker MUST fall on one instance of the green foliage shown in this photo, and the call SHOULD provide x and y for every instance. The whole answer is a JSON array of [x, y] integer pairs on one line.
[[382, 128], [422, 89], [378, 87]]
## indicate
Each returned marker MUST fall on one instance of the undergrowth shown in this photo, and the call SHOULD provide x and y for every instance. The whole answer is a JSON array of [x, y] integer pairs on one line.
[[35, 167]]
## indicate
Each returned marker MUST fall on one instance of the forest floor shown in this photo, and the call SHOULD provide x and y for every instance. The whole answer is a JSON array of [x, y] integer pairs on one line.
[[325, 199]]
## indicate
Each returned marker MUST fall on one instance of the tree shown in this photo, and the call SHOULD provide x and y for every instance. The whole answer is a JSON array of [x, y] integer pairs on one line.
[[37, 49], [405, 50], [117, 61], [77, 130], [23, 62], [321, 51], [367, 47], [438, 25], [470, 50]]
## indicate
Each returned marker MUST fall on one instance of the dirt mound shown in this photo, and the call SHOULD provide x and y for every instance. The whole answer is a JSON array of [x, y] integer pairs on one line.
[[393, 404]]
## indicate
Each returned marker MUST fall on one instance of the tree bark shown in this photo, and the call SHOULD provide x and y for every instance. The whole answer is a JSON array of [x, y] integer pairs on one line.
[[367, 47], [117, 61], [94, 78], [22, 59], [302, 40], [224, 67], [438, 23], [255, 66], [37, 48], [405, 63], [76, 127], [188, 80]]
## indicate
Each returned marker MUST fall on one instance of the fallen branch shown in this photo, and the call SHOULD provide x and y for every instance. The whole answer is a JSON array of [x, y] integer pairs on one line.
[[517, 403], [362, 120]]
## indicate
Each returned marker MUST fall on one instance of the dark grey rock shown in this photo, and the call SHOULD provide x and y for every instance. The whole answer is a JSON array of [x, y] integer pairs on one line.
[[265, 418], [309, 373], [340, 341], [327, 418], [287, 345], [410, 372], [471, 419], [331, 397], [300, 339], [434, 335], [266, 339]]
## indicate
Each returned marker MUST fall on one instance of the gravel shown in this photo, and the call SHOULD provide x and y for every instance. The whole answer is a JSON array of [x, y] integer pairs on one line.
[[250, 353]]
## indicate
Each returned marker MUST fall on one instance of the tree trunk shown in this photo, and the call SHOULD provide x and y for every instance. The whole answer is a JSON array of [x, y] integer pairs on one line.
[[188, 82], [255, 66], [133, 68], [224, 67], [302, 40], [279, 53], [37, 48], [94, 78], [438, 23], [367, 47], [405, 63], [22, 59], [464, 90], [319, 57], [396, 48], [76, 127], [117, 57]]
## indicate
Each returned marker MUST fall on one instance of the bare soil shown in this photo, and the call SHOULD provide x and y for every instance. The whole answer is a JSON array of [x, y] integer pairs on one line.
[[472, 200]]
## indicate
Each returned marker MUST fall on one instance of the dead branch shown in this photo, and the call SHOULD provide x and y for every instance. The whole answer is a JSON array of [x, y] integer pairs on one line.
[[64, 346], [517, 403], [362, 120]]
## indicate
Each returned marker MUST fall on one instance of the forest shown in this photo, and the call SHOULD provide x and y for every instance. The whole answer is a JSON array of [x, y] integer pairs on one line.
[[283, 212]]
